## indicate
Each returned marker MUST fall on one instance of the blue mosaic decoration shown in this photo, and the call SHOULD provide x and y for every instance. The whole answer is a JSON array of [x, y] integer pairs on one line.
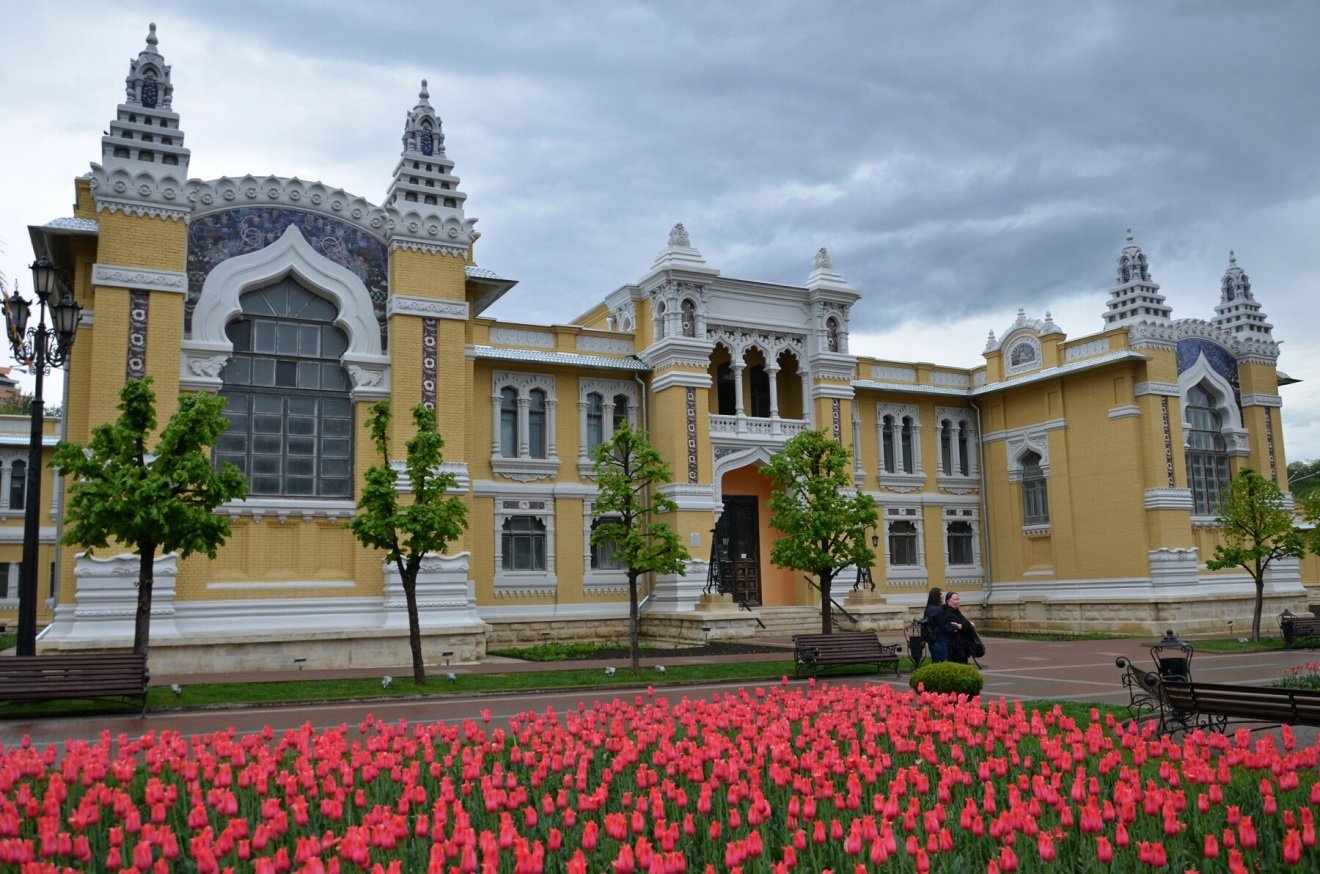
[[223, 235], [1221, 361]]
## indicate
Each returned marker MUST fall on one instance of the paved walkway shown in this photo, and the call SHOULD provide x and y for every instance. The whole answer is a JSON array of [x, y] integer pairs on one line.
[[1013, 669]]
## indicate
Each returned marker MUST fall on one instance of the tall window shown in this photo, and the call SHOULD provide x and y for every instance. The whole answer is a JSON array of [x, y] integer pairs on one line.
[[906, 444], [1035, 499], [902, 544], [946, 446], [509, 422], [536, 423], [689, 318], [595, 421], [887, 443], [963, 447], [726, 397], [1207, 456], [523, 545], [619, 414], [604, 555], [17, 485], [290, 416], [4, 581], [759, 381], [960, 543]]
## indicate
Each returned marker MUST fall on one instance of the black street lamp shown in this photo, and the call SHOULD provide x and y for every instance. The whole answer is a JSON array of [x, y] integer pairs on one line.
[[39, 348]]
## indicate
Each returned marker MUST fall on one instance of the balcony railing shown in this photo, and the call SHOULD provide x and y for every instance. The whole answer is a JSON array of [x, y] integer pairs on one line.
[[755, 427]]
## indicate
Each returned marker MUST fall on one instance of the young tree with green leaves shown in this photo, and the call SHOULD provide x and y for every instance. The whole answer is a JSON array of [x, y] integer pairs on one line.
[[409, 531], [815, 506], [160, 500], [1256, 528], [628, 470]]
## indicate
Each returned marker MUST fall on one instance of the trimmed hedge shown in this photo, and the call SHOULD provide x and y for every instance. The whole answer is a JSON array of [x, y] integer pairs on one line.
[[948, 677]]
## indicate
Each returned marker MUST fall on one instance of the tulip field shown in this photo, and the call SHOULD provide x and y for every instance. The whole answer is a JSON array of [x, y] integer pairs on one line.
[[806, 777]]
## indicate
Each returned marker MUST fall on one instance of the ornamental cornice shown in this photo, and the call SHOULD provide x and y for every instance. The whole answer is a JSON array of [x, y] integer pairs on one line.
[[611, 345], [1169, 499], [149, 190], [1152, 335], [1261, 400], [1166, 389], [216, 195], [405, 305], [522, 337], [145, 210], [139, 278], [428, 248]]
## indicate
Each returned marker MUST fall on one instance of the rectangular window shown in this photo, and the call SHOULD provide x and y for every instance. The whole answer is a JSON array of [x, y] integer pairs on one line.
[[1035, 502], [902, 544], [4, 581], [523, 544], [604, 555], [960, 543]]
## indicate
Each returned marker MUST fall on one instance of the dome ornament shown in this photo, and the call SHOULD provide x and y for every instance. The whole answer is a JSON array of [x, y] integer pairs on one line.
[[678, 236], [822, 261]]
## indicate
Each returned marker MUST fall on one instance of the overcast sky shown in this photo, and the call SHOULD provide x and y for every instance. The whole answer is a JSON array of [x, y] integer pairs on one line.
[[960, 159]]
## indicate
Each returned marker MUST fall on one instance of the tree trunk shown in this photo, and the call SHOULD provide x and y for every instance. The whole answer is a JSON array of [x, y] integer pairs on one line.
[[408, 579], [634, 642], [146, 579], [1260, 601], [826, 615]]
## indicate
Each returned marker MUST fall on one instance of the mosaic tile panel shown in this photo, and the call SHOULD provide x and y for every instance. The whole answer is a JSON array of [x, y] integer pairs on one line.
[[692, 434], [136, 367], [428, 362], [220, 236], [1221, 361], [1269, 443], [838, 424], [1168, 439]]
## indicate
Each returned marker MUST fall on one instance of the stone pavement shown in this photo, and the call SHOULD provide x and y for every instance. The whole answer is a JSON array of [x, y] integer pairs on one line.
[[1013, 669]]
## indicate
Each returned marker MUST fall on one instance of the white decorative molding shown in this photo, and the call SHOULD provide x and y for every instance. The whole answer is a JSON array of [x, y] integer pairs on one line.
[[140, 278], [106, 598], [1169, 499], [1128, 411], [893, 374], [1086, 350], [608, 345], [684, 378], [1167, 389], [1221, 391], [405, 305], [444, 593], [958, 380], [1174, 567], [1261, 400], [284, 509], [1022, 353], [522, 337]]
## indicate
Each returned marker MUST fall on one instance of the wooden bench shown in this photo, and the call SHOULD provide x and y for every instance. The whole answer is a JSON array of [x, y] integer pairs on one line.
[[102, 675], [1212, 706], [814, 651], [1301, 631]]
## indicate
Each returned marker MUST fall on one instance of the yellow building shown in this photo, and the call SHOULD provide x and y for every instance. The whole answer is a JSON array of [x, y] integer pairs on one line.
[[1062, 484]]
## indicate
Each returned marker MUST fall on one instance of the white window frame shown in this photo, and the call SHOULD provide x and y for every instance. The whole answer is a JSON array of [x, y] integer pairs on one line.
[[905, 574], [963, 574], [509, 583], [523, 467], [608, 389], [961, 422], [899, 480], [6, 481], [604, 581]]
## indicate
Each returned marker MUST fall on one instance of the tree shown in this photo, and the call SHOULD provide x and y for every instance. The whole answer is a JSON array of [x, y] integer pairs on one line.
[[627, 471], [409, 531], [154, 501], [1256, 527], [822, 517], [1304, 478]]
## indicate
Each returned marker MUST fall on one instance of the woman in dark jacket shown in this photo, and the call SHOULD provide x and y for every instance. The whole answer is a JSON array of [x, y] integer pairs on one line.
[[944, 631], [964, 633]]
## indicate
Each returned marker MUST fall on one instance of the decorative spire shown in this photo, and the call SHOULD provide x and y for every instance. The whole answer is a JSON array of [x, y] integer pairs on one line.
[[1238, 311], [424, 192], [143, 161], [678, 236], [823, 260], [1135, 298]]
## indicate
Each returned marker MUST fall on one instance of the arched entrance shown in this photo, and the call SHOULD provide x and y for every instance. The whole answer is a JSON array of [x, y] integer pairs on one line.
[[743, 539]]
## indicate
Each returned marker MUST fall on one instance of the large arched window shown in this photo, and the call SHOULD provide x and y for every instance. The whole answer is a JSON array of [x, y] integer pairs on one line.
[[1207, 455], [290, 415]]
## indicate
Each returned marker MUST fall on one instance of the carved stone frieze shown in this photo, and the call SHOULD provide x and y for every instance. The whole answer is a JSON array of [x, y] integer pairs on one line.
[[139, 278], [402, 304]]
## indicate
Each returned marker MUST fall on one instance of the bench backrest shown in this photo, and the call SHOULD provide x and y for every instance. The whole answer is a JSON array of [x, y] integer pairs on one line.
[[1261, 703]]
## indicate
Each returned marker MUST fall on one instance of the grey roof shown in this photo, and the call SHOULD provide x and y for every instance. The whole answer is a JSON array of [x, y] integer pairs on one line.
[[481, 273], [82, 225], [1010, 382], [570, 359]]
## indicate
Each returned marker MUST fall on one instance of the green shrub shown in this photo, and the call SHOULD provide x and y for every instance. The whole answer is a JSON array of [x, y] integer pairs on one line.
[[948, 677]]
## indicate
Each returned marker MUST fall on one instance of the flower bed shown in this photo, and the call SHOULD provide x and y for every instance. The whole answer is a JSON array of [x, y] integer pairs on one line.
[[788, 778]]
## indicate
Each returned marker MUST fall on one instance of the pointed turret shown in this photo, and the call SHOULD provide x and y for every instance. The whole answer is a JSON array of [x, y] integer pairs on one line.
[[143, 162], [1136, 298], [424, 193], [1238, 312]]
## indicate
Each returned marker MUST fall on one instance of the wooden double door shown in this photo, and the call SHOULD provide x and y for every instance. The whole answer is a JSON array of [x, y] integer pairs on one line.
[[738, 538]]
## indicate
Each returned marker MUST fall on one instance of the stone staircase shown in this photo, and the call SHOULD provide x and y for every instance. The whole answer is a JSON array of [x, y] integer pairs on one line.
[[788, 621]]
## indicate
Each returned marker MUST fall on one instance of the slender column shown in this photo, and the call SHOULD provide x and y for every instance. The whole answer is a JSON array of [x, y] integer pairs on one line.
[[496, 403], [551, 450]]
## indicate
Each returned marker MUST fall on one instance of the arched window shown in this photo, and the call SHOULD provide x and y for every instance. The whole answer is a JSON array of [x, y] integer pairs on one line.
[[289, 411], [832, 334], [523, 546], [619, 414], [887, 443], [595, 421], [17, 485], [689, 318], [536, 423], [906, 444], [1207, 456], [1035, 498], [509, 422], [963, 447], [946, 447]]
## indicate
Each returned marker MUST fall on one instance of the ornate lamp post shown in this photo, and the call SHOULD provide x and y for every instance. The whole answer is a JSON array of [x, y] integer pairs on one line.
[[39, 348]]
